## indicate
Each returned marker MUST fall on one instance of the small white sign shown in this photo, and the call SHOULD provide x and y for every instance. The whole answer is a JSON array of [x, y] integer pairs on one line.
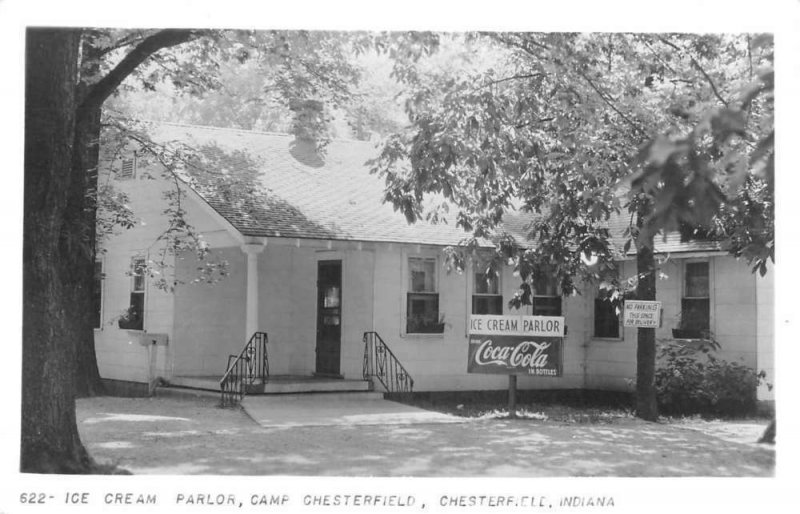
[[538, 326], [641, 313]]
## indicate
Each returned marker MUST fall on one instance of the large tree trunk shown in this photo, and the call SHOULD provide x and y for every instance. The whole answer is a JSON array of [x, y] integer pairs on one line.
[[82, 209], [646, 406], [49, 442], [82, 216]]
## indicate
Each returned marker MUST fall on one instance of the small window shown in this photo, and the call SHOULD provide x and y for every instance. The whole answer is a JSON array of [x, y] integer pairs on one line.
[[695, 304], [546, 300], [133, 318], [127, 169], [606, 319], [97, 295], [486, 297], [422, 307]]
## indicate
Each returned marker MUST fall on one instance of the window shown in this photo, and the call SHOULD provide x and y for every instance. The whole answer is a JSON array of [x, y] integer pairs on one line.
[[422, 308], [97, 295], [695, 304], [133, 319], [546, 300], [606, 319], [486, 297]]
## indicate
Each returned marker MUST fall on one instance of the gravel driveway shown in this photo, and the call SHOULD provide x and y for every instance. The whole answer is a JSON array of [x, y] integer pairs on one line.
[[194, 436]]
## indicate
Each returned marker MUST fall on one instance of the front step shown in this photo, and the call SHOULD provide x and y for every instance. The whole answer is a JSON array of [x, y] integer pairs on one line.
[[314, 385], [339, 396], [279, 385]]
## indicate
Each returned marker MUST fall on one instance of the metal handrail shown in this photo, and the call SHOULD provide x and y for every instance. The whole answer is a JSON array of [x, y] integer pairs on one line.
[[250, 367], [381, 363]]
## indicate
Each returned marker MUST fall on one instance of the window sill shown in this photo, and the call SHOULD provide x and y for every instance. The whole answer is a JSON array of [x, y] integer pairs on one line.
[[422, 336], [694, 340], [607, 339]]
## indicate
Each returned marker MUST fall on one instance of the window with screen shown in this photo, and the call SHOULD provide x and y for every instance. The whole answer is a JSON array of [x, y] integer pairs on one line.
[[606, 318], [546, 300], [486, 297], [133, 319], [422, 307], [696, 302]]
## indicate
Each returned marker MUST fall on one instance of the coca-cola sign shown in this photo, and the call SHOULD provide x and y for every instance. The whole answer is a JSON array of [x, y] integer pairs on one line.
[[516, 345], [515, 355]]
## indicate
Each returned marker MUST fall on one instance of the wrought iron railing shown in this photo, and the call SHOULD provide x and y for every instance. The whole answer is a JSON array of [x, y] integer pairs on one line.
[[381, 363], [246, 371]]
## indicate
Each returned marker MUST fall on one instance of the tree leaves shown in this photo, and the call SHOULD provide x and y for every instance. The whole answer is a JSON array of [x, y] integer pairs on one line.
[[559, 121]]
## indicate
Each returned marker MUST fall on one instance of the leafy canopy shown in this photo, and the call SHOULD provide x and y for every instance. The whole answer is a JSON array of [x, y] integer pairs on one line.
[[554, 131]]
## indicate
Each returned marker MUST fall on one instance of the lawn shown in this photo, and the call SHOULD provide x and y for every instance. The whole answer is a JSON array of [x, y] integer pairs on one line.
[[195, 436]]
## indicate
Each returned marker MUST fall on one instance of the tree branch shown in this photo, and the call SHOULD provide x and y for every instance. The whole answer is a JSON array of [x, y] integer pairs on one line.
[[104, 87], [604, 97], [507, 79], [699, 68]]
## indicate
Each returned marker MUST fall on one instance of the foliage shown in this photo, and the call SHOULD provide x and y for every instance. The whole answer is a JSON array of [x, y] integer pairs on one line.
[[553, 130], [718, 179], [565, 133], [240, 101], [129, 319], [290, 80], [690, 379]]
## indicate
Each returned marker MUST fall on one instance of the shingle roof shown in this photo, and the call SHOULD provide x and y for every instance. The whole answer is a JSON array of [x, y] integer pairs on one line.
[[332, 196], [308, 196]]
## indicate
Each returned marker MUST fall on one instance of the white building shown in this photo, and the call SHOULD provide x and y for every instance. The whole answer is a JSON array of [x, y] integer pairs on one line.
[[322, 261]]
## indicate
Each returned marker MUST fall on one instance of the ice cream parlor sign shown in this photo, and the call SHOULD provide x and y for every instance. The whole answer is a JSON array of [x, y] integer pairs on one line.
[[511, 345]]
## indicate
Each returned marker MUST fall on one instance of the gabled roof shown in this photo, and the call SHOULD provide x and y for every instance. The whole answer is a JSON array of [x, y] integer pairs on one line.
[[308, 196], [332, 196]]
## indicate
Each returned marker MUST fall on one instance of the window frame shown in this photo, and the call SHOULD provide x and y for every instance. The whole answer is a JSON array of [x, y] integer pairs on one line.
[[556, 295], [138, 289], [432, 294], [707, 298], [620, 329], [477, 276]]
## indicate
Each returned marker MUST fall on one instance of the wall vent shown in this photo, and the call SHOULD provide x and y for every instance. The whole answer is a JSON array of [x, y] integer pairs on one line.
[[128, 169]]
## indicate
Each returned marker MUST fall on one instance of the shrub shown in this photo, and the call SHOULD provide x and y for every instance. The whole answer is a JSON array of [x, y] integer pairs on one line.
[[690, 379]]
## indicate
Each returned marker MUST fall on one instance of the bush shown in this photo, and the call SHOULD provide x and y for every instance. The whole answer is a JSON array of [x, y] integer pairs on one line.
[[690, 379]]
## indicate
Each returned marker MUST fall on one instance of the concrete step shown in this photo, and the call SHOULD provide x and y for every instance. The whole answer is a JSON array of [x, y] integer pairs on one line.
[[335, 396], [315, 386], [279, 385]]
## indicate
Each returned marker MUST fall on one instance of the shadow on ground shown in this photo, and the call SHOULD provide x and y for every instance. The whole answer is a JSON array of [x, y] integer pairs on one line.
[[194, 436]]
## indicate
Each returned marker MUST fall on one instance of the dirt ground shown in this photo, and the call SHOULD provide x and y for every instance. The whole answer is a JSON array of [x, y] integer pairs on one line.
[[194, 436]]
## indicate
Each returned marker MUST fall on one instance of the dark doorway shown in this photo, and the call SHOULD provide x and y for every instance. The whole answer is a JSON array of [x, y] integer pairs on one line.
[[329, 317]]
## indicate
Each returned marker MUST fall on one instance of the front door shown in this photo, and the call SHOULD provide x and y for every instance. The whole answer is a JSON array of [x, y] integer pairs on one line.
[[329, 317]]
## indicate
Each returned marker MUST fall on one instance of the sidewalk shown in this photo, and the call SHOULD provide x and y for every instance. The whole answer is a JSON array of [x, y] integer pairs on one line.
[[337, 409]]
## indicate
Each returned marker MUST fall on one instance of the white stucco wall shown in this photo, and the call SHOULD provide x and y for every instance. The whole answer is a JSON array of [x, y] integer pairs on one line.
[[733, 312], [765, 306], [119, 354], [438, 362], [205, 323]]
